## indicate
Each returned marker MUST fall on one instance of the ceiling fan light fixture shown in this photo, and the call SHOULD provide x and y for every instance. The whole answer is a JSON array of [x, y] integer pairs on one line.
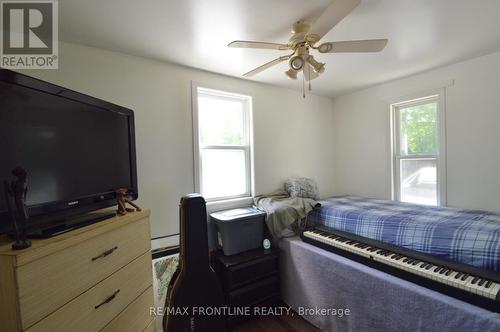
[[318, 67], [306, 37], [296, 63], [291, 74]]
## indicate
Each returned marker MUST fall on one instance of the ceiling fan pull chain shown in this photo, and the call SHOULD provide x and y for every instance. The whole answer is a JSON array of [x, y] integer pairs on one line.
[[309, 74], [303, 85]]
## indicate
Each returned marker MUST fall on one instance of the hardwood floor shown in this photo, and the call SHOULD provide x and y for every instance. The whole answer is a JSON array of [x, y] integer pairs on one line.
[[283, 323]]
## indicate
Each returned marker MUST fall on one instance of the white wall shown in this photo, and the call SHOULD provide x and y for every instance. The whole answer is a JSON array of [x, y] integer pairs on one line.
[[292, 136], [361, 134]]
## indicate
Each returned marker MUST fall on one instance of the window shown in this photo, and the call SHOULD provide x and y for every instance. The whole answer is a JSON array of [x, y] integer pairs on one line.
[[418, 158], [223, 143]]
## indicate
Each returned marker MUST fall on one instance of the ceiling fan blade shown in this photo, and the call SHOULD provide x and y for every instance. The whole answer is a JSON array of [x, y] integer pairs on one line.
[[254, 44], [266, 65], [373, 45], [309, 73], [333, 15]]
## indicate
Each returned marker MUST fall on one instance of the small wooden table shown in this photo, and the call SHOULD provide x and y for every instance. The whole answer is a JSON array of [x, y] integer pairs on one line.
[[249, 279]]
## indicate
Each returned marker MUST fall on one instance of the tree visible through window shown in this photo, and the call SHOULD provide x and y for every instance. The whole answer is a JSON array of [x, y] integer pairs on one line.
[[419, 127], [416, 151]]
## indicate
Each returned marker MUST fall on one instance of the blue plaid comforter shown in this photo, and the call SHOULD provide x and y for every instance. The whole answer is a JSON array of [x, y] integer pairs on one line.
[[469, 237]]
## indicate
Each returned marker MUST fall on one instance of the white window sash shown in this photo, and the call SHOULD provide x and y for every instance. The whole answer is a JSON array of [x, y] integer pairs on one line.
[[397, 171], [246, 147], [440, 156]]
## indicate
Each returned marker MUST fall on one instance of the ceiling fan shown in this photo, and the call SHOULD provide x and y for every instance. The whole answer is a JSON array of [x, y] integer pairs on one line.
[[305, 36]]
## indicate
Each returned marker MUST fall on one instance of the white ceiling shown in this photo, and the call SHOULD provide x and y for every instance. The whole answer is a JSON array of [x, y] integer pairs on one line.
[[423, 34]]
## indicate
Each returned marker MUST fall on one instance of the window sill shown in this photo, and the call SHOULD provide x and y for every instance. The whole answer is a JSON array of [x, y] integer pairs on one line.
[[229, 204]]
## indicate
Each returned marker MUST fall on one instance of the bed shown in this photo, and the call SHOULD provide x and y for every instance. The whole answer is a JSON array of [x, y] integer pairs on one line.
[[377, 301], [465, 236]]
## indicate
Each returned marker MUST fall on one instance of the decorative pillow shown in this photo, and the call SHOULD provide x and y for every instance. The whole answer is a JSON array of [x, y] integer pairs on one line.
[[302, 187]]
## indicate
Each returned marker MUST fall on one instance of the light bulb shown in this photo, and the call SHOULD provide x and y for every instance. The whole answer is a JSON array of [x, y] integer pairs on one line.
[[296, 63]]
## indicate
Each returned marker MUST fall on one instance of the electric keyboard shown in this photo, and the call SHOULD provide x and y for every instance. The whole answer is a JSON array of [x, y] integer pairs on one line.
[[477, 286]]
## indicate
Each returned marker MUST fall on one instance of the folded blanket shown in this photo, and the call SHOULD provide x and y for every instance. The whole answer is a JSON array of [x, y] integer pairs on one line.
[[282, 210]]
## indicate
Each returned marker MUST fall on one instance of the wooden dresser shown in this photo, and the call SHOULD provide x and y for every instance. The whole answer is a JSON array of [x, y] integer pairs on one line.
[[96, 278]]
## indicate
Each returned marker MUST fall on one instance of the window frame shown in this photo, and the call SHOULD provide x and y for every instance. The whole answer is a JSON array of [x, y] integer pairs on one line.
[[438, 97], [198, 88]]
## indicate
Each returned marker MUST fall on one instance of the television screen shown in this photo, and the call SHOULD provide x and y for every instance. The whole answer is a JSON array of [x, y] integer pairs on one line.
[[71, 149]]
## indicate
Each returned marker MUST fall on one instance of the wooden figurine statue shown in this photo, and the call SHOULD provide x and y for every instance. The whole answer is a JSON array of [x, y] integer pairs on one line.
[[18, 190], [123, 200]]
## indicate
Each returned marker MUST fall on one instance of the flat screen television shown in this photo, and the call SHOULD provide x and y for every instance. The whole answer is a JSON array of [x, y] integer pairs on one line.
[[76, 149]]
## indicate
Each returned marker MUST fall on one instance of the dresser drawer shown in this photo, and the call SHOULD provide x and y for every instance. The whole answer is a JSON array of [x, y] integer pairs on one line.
[[135, 317], [95, 308], [48, 283]]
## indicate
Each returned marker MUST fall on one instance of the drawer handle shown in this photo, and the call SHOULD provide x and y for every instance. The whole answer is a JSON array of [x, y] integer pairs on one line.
[[109, 299], [104, 254]]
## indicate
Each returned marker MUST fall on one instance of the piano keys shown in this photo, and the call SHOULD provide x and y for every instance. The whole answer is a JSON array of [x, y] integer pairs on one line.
[[479, 287]]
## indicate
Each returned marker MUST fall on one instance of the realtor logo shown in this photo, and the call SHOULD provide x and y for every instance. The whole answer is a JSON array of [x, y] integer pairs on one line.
[[29, 35]]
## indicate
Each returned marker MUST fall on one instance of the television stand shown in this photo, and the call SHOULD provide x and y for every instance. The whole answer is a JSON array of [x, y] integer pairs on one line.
[[68, 224]]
